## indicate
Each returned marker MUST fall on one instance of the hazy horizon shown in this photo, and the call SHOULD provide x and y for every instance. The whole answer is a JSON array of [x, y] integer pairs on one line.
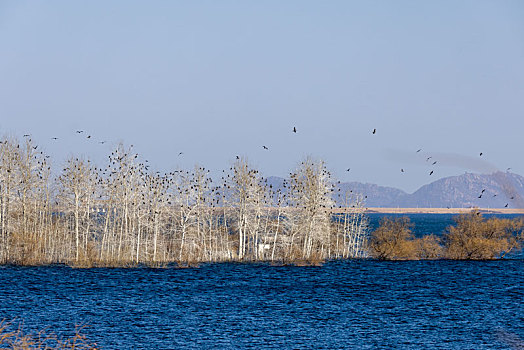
[[218, 79]]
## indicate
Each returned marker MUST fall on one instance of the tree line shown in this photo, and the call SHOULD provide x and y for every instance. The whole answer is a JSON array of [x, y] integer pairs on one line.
[[123, 213]]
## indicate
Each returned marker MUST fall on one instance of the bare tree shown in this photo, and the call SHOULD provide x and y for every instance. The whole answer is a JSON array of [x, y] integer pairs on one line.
[[351, 228], [310, 196], [123, 179], [9, 155], [246, 198], [77, 191]]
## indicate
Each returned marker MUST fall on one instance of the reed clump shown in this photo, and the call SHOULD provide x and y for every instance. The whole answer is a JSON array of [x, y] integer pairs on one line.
[[13, 336]]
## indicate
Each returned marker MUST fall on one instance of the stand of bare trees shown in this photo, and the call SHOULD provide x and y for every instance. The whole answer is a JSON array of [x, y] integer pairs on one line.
[[123, 214]]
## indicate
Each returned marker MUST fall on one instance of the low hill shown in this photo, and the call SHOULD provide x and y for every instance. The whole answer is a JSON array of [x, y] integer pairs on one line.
[[494, 190]]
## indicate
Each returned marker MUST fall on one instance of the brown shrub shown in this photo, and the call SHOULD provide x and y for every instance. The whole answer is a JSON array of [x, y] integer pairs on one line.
[[393, 240], [474, 237], [429, 248]]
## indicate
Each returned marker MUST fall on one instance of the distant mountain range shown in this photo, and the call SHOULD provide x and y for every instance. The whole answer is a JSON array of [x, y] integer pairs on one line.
[[494, 190]]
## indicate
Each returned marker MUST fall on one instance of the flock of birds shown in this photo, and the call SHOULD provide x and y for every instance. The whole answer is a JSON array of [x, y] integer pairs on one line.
[[266, 148], [431, 171]]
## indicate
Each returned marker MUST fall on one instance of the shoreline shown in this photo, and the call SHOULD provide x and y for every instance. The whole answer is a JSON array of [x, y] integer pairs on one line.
[[381, 210]]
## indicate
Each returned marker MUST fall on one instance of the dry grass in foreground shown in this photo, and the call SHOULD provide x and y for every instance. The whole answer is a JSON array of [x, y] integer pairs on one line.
[[13, 337]]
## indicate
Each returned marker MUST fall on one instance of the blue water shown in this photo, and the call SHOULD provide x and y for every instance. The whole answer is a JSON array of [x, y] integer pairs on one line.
[[361, 304]]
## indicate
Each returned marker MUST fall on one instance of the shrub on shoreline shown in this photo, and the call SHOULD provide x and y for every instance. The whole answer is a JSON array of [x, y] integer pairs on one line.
[[393, 240], [473, 237]]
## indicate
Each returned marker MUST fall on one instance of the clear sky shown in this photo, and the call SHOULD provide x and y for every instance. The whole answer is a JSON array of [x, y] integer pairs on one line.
[[214, 79]]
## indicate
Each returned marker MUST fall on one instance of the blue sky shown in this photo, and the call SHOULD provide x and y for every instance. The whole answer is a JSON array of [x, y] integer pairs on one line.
[[214, 79]]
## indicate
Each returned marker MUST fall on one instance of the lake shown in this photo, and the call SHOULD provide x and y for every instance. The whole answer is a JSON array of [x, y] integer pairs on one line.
[[360, 304]]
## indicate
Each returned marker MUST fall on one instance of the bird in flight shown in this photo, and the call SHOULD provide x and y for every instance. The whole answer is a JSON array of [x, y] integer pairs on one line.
[[88, 136], [508, 169], [102, 142], [374, 131], [506, 205], [428, 158], [265, 147], [402, 170], [79, 131], [54, 138], [435, 162], [431, 172], [27, 135], [295, 130], [483, 190], [180, 153], [480, 154], [480, 196], [348, 169], [420, 149]]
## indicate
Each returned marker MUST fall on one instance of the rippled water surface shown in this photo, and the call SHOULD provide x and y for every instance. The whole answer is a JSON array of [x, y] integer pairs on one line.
[[352, 304]]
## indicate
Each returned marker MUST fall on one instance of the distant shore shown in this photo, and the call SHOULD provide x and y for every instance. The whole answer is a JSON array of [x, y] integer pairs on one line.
[[442, 210]]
